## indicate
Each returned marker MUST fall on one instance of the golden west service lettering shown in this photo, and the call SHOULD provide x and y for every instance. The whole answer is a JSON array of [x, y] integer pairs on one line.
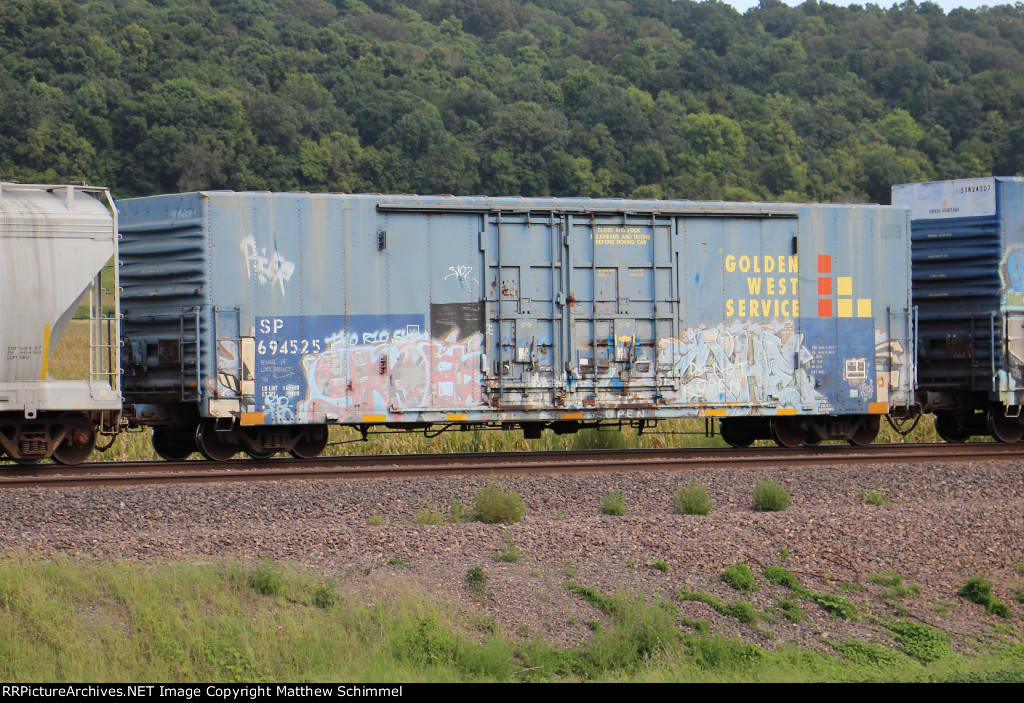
[[771, 292]]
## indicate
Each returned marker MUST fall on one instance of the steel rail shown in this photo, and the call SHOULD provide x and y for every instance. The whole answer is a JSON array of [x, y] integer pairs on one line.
[[375, 466]]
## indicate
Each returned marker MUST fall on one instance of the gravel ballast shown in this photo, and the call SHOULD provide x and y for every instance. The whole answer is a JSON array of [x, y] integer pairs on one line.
[[945, 523]]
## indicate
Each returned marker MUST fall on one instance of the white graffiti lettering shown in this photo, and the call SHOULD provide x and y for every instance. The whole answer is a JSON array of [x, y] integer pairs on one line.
[[461, 274], [740, 362], [278, 409], [268, 269], [343, 339]]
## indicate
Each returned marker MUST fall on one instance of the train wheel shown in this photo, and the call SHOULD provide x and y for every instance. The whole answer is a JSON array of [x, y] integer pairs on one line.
[[949, 430], [212, 444], [259, 456], [787, 433], [79, 442], [1004, 429], [812, 440], [867, 432], [735, 433], [169, 445], [312, 444]]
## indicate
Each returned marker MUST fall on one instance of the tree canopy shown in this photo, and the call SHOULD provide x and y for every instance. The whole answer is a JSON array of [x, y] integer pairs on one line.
[[650, 98]]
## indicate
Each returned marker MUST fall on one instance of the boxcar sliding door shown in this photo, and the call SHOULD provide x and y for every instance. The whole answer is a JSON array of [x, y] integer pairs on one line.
[[622, 298]]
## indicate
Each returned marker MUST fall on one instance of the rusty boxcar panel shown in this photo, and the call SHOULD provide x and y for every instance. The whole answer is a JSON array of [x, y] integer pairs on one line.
[[308, 308]]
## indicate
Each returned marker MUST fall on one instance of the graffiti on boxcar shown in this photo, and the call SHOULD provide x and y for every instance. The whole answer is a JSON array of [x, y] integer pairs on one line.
[[462, 274], [267, 269], [394, 373], [277, 409], [740, 362], [229, 366]]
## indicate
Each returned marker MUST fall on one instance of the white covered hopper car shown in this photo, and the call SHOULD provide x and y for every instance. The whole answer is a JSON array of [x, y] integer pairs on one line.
[[55, 242]]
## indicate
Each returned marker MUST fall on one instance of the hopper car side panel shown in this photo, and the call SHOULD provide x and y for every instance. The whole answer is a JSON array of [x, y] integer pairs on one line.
[[54, 242]]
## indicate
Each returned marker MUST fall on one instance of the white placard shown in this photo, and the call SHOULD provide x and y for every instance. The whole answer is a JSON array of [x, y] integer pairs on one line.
[[964, 197]]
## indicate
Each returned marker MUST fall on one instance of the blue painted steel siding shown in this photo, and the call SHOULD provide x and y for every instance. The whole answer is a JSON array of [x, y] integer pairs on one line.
[[751, 293], [165, 300], [968, 284], [371, 308]]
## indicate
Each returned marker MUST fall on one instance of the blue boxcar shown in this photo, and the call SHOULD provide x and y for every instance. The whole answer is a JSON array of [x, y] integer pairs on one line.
[[968, 286], [251, 320]]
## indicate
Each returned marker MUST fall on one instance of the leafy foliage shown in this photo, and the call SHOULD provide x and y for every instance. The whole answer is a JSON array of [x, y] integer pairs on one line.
[[791, 609], [740, 577], [920, 641], [839, 606], [324, 597], [741, 610], [659, 98], [867, 654], [977, 590], [782, 577]]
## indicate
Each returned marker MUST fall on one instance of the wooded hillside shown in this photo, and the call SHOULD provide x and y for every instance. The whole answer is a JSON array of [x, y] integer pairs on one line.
[[649, 98]]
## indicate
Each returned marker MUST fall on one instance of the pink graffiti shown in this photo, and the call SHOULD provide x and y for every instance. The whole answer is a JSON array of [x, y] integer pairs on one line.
[[411, 373]]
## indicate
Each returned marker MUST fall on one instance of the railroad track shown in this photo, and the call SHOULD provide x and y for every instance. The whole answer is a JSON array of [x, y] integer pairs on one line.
[[126, 473]]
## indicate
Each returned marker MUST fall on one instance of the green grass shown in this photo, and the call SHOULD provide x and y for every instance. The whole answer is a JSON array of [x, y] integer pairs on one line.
[[63, 620], [496, 504], [693, 499], [922, 642], [740, 577], [894, 585], [458, 515], [430, 514], [267, 579], [613, 503], [507, 552], [605, 603], [790, 609], [770, 496], [741, 610], [477, 578], [782, 577], [877, 498]]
